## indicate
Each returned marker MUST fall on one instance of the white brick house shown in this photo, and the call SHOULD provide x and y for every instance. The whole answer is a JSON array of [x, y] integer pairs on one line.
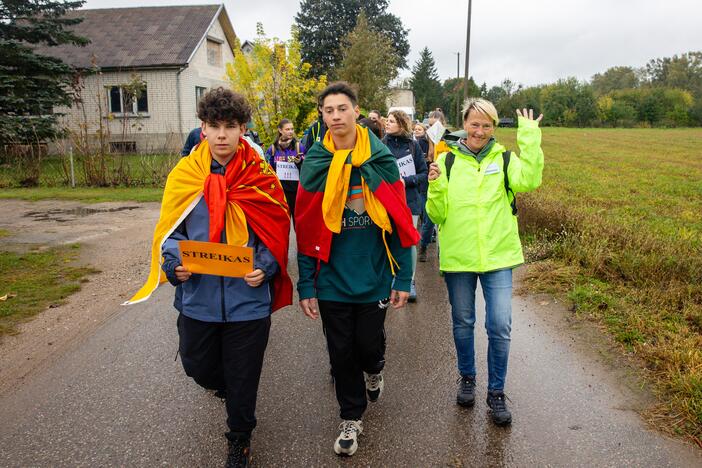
[[178, 52]]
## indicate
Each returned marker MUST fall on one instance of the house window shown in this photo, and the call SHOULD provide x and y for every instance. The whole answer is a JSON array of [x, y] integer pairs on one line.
[[214, 53], [122, 101], [199, 92]]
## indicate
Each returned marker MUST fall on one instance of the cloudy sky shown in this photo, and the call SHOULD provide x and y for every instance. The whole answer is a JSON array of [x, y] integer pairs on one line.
[[530, 42]]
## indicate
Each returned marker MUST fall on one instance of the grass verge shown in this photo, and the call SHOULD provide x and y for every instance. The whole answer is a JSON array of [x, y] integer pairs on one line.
[[36, 280], [85, 194], [616, 229]]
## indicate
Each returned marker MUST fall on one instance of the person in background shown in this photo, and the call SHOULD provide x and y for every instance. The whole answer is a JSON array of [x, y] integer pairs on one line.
[[420, 135], [413, 169], [253, 134], [285, 155], [194, 138], [479, 237], [315, 132], [371, 125]]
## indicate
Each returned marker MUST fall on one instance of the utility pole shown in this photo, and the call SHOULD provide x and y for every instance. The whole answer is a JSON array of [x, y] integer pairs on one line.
[[458, 98], [465, 77]]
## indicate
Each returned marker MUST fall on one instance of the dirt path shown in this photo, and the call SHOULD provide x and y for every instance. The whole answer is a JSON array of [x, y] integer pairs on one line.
[[125, 227]]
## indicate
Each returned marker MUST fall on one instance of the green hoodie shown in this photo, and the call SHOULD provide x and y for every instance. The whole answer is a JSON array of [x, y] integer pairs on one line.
[[477, 231]]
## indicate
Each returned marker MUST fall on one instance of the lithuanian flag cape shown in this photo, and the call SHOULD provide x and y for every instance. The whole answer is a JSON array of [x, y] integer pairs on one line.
[[250, 195], [324, 181]]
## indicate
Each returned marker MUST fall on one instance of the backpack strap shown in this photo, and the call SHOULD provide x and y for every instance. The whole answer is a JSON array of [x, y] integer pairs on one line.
[[506, 156], [450, 158]]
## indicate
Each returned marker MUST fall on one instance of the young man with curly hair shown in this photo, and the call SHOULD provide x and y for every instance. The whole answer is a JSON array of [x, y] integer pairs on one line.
[[225, 192]]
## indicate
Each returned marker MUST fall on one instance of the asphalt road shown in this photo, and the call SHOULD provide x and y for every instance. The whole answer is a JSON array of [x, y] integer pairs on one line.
[[120, 399]]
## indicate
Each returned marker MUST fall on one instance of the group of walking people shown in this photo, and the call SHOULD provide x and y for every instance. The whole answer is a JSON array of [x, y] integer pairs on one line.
[[355, 200]]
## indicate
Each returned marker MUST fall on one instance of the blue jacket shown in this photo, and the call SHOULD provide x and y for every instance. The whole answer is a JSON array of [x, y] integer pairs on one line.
[[192, 140], [212, 298], [402, 147]]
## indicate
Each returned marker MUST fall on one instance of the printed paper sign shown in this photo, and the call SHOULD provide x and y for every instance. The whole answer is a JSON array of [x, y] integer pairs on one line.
[[287, 170], [436, 131], [406, 166], [212, 258]]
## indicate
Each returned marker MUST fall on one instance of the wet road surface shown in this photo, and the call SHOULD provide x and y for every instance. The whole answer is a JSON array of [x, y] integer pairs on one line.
[[120, 399]]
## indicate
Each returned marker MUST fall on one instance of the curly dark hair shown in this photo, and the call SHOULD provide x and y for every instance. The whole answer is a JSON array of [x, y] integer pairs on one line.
[[338, 87], [223, 105]]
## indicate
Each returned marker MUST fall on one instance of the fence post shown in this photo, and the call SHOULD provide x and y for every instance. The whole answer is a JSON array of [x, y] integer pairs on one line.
[[73, 175]]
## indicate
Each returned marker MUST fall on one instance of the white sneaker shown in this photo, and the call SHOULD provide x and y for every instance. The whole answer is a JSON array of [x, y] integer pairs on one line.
[[374, 385], [347, 442]]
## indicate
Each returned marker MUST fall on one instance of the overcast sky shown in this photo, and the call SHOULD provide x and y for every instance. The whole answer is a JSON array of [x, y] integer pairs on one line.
[[530, 42]]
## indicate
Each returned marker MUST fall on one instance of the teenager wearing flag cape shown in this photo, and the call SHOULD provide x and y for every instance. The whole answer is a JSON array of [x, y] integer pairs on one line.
[[225, 192], [354, 233]]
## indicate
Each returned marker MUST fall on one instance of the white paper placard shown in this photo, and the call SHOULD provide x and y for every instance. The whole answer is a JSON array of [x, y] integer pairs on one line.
[[406, 166], [287, 170], [436, 131]]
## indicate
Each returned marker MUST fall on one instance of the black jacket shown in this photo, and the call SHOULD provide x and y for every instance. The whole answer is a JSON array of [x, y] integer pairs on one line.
[[402, 147]]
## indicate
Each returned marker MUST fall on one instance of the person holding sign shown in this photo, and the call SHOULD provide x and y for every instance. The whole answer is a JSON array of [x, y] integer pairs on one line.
[[285, 155], [413, 169], [479, 237], [354, 237], [224, 192]]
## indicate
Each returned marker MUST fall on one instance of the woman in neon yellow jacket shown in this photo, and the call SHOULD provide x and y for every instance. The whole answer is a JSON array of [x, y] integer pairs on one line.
[[470, 197]]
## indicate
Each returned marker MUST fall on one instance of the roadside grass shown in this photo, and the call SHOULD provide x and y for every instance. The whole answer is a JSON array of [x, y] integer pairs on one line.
[[34, 281], [85, 194], [616, 228]]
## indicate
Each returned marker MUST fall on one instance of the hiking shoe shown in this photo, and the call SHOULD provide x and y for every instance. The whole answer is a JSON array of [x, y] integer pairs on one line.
[[374, 385], [498, 408], [239, 453], [347, 442], [422, 257], [413, 293], [465, 395]]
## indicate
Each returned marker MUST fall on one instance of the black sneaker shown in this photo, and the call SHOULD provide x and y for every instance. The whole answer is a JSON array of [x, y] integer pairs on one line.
[[465, 396], [239, 453], [374, 385], [422, 256], [498, 408]]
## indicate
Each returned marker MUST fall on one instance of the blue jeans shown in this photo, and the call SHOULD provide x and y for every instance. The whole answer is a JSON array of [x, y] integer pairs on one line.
[[497, 290], [427, 229]]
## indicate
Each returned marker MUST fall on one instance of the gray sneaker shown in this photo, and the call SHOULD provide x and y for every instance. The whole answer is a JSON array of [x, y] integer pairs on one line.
[[374, 385], [347, 442]]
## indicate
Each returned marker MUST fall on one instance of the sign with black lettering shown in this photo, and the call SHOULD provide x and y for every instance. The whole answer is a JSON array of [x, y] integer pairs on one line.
[[212, 258]]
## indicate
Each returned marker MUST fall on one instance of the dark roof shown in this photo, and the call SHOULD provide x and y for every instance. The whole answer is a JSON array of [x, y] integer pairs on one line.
[[137, 37]]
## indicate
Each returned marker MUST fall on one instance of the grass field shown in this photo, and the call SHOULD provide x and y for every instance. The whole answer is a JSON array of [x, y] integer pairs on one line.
[[34, 281], [617, 228]]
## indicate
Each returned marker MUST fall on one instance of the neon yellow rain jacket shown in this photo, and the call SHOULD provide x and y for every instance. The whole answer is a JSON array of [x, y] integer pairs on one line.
[[477, 231]]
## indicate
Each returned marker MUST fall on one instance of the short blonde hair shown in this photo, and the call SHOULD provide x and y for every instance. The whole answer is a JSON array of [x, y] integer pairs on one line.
[[482, 106]]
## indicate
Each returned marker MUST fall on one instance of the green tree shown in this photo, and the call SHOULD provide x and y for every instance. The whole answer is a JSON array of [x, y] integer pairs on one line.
[[31, 85], [322, 24], [425, 83], [276, 81], [368, 64], [568, 103], [613, 79], [452, 98]]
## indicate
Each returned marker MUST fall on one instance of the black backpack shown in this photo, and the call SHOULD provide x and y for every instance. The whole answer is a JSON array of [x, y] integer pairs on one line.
[[450, 158]]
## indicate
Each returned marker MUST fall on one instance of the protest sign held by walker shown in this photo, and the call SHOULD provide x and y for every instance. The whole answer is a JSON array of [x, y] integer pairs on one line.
[[287, 170], [406, 166], [436, 131], [212, 258]]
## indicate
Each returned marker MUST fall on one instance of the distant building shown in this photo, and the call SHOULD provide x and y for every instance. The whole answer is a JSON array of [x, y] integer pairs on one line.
[[401, 99], [178, 52]]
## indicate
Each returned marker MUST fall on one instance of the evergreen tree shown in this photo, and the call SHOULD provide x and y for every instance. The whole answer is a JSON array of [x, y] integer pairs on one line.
[[322, 24], [367, 63], [31, 85], [425, 83]]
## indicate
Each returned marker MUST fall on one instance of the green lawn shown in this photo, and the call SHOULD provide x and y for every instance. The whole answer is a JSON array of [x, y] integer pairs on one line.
[[36, 280], [617, 228]]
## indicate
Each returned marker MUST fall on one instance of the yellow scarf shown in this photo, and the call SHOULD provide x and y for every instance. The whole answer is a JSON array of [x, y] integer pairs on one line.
[[184, 188], [337, 187]]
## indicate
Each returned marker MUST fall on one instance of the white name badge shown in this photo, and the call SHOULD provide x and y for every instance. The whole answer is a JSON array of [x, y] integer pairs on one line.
[[492, 169], [286, 170], [406, 166]]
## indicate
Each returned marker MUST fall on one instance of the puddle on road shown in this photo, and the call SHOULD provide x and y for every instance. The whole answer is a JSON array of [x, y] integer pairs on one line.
[[65, 215]]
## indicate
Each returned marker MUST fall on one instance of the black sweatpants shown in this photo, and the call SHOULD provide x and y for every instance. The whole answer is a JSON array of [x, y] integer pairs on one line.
[[290, 196], [356, 344], [227, 356]]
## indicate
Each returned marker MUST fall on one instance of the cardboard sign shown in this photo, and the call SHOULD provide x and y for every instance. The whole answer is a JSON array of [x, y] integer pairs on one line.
[[406, 166], [212, 258], [287, 170], [436, 131]]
